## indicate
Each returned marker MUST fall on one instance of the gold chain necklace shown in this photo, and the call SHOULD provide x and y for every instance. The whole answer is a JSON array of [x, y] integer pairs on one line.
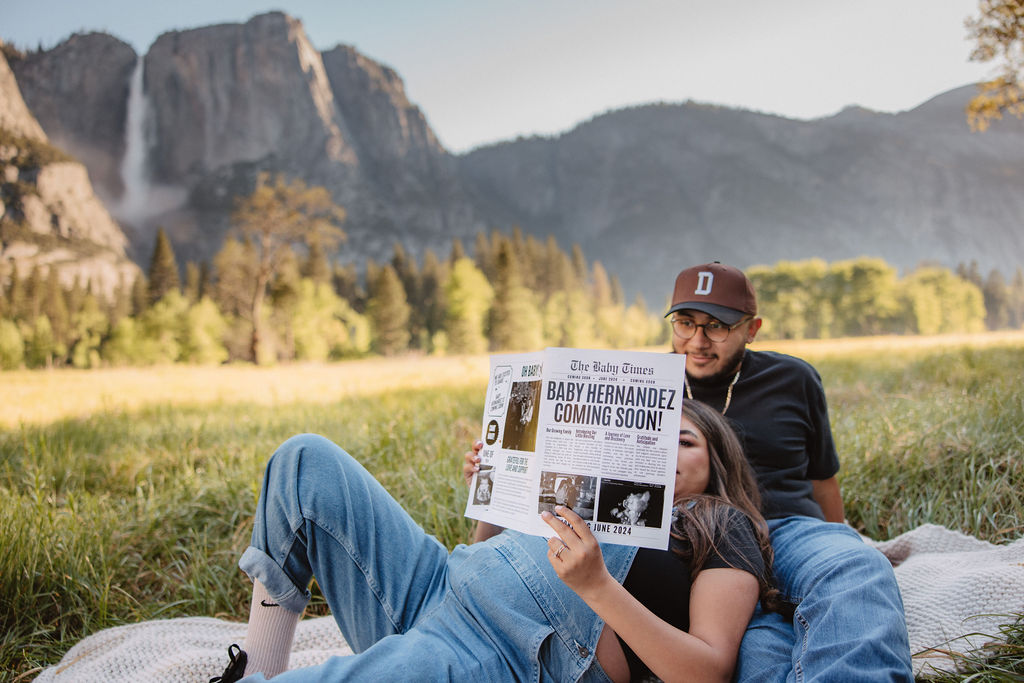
[[728, 394]]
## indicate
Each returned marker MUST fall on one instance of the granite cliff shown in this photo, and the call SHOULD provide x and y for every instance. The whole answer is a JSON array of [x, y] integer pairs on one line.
[[78, 91], [224, 103], [49, 214]]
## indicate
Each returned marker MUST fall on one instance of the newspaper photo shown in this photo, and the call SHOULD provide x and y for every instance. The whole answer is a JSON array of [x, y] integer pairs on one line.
[[594, 430]]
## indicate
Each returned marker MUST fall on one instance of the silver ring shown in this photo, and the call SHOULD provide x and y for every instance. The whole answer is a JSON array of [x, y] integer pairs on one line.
[[559, 551]]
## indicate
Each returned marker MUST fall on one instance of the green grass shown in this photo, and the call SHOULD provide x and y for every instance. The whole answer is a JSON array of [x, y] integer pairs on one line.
[[126, 517], [129, 516], [936, 439]]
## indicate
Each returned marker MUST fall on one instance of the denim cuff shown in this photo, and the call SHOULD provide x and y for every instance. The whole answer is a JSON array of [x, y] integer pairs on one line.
[[260, 566]]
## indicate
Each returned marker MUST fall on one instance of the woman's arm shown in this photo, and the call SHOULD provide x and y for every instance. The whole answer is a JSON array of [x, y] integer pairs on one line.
[[721, 604]]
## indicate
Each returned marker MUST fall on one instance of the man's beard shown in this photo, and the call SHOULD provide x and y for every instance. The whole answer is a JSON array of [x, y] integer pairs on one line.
[[731, 365]]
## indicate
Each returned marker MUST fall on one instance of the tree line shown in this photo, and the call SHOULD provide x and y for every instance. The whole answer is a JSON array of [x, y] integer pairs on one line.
[[275, 292], [812, 299]]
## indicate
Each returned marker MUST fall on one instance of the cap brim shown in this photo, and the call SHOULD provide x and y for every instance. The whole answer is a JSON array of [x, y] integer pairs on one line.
[[729, 316]]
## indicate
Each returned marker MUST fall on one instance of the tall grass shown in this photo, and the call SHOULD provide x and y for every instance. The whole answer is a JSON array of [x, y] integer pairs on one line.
[[936, 439], [131, 516], [138, 513]]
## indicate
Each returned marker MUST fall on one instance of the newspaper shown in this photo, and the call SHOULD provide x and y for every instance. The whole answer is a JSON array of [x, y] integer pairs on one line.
[[594, 430]]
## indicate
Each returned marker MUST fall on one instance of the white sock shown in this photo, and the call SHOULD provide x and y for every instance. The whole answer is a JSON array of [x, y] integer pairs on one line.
[[268, 642]]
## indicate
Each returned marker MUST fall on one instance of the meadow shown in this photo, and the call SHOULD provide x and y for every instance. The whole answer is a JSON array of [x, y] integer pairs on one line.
[[127, 495]]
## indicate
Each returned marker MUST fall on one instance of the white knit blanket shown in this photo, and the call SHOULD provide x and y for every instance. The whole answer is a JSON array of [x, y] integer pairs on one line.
[[953, 585]]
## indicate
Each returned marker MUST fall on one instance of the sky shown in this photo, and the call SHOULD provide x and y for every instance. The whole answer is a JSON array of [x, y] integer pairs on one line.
[[483, 71]]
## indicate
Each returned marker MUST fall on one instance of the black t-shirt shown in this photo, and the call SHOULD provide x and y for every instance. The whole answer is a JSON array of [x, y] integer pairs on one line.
[[660, 579], [779, 411]]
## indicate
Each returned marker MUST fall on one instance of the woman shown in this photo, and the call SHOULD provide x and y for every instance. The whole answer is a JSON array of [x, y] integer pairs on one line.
[[515, 607]]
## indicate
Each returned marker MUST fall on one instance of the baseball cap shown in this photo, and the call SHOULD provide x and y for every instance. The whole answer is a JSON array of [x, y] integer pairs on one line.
[[721, 291]]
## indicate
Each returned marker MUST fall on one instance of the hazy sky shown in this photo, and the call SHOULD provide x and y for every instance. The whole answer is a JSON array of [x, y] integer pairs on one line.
[[488, 70]]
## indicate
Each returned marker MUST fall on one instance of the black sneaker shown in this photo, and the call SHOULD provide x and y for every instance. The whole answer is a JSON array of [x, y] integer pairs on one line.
[[236, 667]]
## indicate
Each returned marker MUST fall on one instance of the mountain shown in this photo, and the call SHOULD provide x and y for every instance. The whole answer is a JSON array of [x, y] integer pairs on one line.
[[224, 103], [650, 188], [49, 214], [174, 139]]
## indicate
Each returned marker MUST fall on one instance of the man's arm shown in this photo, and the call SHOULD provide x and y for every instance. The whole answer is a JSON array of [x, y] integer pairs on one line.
[[827, 495], [471, 465], [485, 530]]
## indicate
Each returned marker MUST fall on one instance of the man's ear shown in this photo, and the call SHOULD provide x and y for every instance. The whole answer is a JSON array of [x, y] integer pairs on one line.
[[752, 329]]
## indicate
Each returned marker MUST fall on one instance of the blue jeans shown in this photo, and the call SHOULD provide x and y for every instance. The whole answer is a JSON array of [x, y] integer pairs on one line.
[[411, 610], [849, 624]]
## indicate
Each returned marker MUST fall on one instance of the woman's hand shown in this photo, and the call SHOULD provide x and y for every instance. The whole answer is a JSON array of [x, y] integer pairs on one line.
[[575, 554], [471, 462]]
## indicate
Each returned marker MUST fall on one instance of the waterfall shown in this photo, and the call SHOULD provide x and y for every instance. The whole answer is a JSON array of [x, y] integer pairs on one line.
[[133, 165], [141, 199]]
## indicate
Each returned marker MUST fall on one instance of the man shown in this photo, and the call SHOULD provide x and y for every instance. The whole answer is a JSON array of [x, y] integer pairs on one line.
[[849, 623]]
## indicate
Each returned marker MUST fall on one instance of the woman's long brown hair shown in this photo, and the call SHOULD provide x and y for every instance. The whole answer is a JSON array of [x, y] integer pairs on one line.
[[731, 484]]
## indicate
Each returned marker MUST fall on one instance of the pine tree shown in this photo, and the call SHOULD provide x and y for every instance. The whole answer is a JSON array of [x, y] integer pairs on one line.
[[163, 269], [35, 292], [371, 269], [618, 297], [433, 303], [388, 312], [140, 295], [534, 264], [55, 307], [558, 271], [16, 297], [469, 298], [1017, 300], [458, 252], [408, 274], [579, 266], [997, 301], [317, 266], [521, 254], [120, 304], [600, 287], [192, 286], [346, 285], [483, 254], [5, 306], [970, 272], [515, 322]]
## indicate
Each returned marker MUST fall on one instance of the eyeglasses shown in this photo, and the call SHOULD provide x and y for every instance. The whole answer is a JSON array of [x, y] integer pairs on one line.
[[716, 331]]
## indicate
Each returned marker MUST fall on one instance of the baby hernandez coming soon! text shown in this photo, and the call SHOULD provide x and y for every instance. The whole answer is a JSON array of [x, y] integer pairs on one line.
[[631, 407]]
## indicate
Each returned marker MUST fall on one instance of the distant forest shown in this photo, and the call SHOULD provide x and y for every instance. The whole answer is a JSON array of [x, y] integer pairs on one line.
[[512, 293]]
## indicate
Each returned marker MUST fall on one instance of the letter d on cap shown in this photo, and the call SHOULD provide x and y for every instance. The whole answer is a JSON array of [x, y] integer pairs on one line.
[[704, 281]]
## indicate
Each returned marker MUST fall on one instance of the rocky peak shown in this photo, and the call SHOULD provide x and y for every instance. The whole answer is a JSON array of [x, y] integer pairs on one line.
[[372, 100], [14, 115], [49, 215], [245, 93], [78, 92]]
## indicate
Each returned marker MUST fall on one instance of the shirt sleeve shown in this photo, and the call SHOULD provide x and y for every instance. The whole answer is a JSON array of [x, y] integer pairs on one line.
[[736, 546], [822, 459]]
